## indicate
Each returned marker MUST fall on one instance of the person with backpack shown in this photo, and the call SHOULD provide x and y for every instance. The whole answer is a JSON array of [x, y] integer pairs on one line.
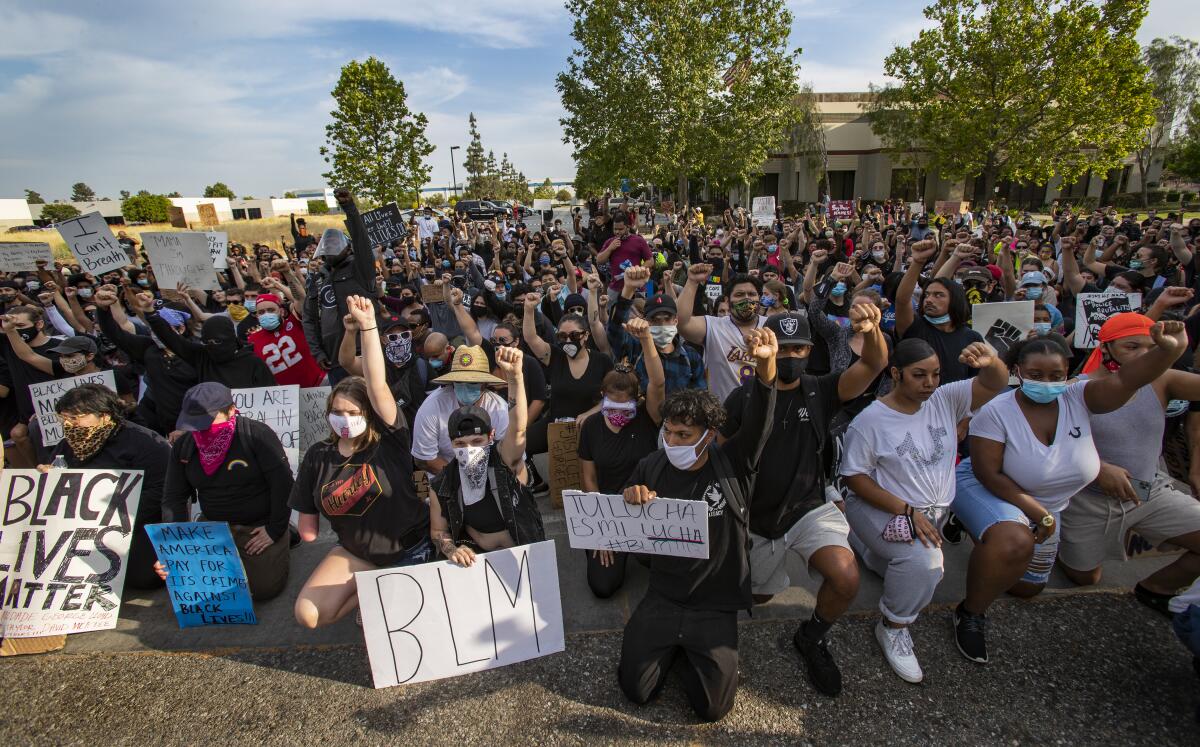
[[691, 605], [788, 509], [236, 468]]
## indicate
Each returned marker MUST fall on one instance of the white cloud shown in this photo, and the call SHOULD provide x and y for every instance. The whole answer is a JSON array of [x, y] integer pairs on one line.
[[432, 86], [37, 34]]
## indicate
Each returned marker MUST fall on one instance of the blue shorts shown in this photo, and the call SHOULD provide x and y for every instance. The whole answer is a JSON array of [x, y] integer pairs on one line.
[[979, 510]]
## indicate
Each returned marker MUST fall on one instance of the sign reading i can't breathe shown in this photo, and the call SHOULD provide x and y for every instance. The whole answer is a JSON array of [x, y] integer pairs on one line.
[[205, 576], [92, 242]]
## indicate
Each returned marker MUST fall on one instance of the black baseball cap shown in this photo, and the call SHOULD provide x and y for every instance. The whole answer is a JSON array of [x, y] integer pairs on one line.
[[201, 404], [658, 304], [470, 420], [76, 344], [790, 328]]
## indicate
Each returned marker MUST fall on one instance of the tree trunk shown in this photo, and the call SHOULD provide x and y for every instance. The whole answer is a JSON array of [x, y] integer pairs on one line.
[[681, 190], [1145, 189], [990, 172]]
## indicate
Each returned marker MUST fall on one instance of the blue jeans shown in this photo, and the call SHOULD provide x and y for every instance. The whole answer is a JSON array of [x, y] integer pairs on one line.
[[1187, 627], [419, 553]]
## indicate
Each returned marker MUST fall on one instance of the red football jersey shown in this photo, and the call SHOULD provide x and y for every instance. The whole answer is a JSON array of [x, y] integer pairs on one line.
[[286, 353]]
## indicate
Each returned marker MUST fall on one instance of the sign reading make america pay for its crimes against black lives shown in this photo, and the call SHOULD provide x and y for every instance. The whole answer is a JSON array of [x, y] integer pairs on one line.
[[64, 543]]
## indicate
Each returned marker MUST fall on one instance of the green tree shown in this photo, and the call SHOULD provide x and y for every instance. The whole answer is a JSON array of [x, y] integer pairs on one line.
[[545, 191], [124, 194], [563, 195], [317, 207], [475, 163], [437, 199], [289, 195], [169, 194], [220, 189], [992, 89], [660, 92], [375, 146], [146, 207], [56, 212], [247, 197], [33, 198], [81, 192], [1174, 71], [807, 138]]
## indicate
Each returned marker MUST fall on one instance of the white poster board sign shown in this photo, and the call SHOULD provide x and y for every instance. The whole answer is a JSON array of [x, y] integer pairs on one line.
[[93, 244], [46, 394], [916, 208], [314, 427], [542, 205], [180, 257], [1092, 310], [1002, 324], [763, 210], [64, 542], [218, 248], [664, 526], [437, 620], [278, 407], [23, 256]]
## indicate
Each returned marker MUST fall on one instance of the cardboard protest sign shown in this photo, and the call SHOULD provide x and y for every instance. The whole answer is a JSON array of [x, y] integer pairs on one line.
[[205, 576], [841, 209], [916, 208], [46, 394], [278, 407], [1002, 324], [208, 214], [543, 205], [1092, 310], [64, 540], [421, 482], [181, 257], [431, 293], [384, 224], [23, 256], [664, 526], [176, 217], [953, 207], [314, 427], [218, 248], [713, 291], [93, 244], [427, 622], [564, 459], [668, 206], [763, 210]]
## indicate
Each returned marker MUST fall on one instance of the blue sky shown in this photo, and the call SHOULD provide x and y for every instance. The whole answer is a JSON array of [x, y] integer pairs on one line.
[[173, 96]]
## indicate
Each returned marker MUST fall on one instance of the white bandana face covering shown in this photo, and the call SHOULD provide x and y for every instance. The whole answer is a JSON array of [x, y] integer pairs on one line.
[[472, 471]]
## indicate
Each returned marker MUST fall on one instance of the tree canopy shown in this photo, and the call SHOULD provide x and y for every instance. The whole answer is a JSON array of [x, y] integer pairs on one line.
[[56, 212], [659, 91], [1019, 89], [33, 198], [375, 146], [220, 189], [81, 192], [146, 207]]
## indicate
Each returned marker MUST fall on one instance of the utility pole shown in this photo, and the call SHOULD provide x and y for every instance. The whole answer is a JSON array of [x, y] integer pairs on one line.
[[453, 178]]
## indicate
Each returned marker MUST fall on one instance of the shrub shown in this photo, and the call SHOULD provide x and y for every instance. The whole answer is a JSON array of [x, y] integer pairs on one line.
[[563, 195], [317, 207], [56, 212], [146, 207]]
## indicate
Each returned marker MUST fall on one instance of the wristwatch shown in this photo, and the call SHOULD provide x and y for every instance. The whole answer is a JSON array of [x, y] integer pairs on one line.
[[1048, 521]]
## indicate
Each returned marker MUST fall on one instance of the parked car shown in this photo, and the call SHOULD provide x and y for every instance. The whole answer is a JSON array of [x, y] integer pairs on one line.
[[479, 209], [25, 229], [506, 208]]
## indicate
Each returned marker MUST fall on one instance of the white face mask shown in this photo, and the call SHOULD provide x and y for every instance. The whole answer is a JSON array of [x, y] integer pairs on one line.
[[472, 467], [348, 426], [663, 334], [684, 457]]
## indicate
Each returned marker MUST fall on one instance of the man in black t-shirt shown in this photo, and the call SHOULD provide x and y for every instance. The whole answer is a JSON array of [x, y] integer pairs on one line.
[[788, 510], [691, 606], [943, 319]]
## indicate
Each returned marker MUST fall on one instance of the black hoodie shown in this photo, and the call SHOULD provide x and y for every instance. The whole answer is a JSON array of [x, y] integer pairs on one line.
[[220, 357]]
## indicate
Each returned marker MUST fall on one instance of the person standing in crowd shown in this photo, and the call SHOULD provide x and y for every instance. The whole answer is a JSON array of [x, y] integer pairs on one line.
[[481, 500], [691, 605], [361, 480], [280, 343], [1130, 492], [726, 357], [301, 240], [789, 510], [623, 250], [1031, 450], [611, 446], [899, 468], [96, 435], [347, 269], [237, 470], [944, 312]]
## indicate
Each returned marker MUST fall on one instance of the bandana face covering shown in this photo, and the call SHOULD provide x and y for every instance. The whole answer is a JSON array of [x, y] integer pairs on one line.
[[472, 469], [618, 414], [87, 440], [398, 351], [214, 443]]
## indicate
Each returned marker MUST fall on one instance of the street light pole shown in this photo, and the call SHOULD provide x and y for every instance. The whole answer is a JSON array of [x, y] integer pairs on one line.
[[453, 178]]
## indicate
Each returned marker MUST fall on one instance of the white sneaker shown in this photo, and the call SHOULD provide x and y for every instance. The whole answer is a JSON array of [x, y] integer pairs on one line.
[[897, 648]]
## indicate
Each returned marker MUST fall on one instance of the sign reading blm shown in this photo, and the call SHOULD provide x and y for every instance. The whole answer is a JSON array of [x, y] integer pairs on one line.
[[64, 542], [427, 622], [384, 224]]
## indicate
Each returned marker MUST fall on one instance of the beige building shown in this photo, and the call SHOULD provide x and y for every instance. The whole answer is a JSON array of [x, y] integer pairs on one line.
[[861, 167]]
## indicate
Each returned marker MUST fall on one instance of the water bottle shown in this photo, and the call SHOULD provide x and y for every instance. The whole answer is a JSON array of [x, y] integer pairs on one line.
[[60, 462]]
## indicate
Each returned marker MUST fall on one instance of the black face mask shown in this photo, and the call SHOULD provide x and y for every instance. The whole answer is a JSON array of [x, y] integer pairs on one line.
[[27, 334], [478, 312], [221, 351], [789, 369]]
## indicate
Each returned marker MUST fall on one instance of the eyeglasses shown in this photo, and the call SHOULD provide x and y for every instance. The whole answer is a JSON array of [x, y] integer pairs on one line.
[[570, 336], [502, 341]]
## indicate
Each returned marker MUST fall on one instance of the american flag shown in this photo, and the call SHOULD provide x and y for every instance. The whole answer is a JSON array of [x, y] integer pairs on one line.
[[737, 72]]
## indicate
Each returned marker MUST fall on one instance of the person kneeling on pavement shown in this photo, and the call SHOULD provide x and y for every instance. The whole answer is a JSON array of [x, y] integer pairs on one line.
[[237, 469], [691, 605]]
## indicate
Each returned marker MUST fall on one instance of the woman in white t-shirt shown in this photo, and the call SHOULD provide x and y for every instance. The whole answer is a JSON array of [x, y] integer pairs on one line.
[[898, 465], [1031, 450]]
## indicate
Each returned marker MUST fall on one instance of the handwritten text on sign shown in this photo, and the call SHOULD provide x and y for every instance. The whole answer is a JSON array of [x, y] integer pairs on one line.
[[437, 620], [278, 407], [218, 248], [384, 224], [763, 210], [314, 427], [181, 257], [93, 244], [64, 540], [205, 575], [664, 526], [46, 394], [23, 256], [564, 459]]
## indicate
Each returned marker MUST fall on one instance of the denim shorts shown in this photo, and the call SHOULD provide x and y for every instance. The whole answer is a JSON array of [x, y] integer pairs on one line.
[[979, 510]]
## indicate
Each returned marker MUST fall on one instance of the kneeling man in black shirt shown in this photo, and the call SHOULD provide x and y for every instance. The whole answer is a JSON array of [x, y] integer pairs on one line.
[[689, 612]]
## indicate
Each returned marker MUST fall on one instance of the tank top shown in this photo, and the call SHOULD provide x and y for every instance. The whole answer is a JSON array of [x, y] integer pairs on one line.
[[726, 359], [1131, 436]]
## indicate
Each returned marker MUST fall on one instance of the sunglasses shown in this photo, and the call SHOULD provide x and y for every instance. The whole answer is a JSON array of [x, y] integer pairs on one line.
[[502, 341], [398, 336], [570, 336]]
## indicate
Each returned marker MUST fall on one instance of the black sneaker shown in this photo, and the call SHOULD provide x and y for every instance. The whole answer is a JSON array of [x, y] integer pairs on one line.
[[1154, 600], [952, 530], [823, 671], [970, 633]]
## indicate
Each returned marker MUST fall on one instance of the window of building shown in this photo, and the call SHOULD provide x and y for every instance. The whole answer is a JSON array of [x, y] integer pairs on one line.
[[841, 185], [254, 213], [766, 185], [239, 214]]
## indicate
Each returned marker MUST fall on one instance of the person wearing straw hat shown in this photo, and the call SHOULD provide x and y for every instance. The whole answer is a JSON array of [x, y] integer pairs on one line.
[[465, 385]]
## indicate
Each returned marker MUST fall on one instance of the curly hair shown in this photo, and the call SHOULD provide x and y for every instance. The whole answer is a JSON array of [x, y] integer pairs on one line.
[[698, 407], [1051, 344]]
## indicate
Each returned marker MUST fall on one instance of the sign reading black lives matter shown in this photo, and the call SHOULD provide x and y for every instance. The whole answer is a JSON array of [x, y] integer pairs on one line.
[[46, 394], [64, 542], [1002, 324], [384, 224]]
